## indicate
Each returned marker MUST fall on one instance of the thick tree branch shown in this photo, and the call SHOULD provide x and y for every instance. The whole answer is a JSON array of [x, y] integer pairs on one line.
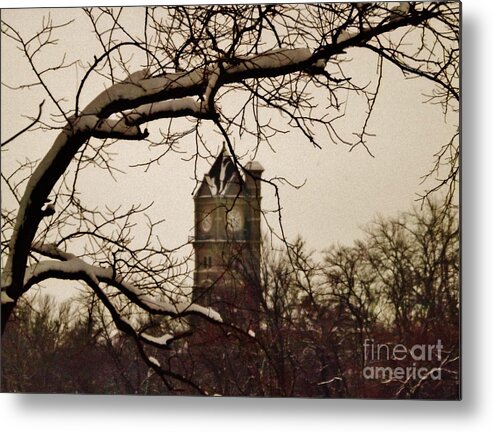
[[135, 98]]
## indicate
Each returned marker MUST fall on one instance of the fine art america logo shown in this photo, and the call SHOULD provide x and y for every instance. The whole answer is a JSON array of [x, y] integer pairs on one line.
[[388, 362]]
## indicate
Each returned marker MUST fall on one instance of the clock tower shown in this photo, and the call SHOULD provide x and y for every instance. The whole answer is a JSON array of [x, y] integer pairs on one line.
[[227, 240]]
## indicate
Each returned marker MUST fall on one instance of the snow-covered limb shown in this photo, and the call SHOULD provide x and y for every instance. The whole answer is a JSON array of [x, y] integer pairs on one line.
[[106, 128], [127, 95], [271, 60], [138, 76], [179, 308], [336, 378], [161, 341], [187, 106], [135, 92], [154, 361], [71, 267], [52, 251]]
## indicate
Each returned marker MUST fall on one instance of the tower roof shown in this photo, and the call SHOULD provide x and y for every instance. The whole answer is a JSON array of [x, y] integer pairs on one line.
[[222, 175]]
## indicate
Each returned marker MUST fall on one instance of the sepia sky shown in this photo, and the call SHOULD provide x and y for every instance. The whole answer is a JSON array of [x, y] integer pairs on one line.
[[343, 190]]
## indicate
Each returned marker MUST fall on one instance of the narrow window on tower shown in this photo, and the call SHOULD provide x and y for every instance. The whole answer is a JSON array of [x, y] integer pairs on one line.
[[210, 261]]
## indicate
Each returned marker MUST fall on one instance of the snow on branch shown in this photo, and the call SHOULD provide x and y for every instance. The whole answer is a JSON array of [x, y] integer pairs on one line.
[[154, 361], [187, 106], [130, 94], [52, 251], [71, 269], [139, 88], [161, 341], [270, 60], [74, 268], [105, 128], [175, 309]]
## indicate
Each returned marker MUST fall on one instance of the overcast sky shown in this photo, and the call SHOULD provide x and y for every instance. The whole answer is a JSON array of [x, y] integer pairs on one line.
[[343, 190]]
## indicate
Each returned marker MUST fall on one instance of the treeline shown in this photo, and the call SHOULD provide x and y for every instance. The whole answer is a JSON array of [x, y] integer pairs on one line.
[[379, 319]]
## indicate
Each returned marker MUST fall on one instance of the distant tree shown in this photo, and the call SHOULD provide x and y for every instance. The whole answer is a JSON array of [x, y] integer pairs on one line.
[[400, 284]]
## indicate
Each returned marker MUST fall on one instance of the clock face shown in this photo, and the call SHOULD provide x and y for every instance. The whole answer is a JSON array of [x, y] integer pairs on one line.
[[206, 223], [235, 220]]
